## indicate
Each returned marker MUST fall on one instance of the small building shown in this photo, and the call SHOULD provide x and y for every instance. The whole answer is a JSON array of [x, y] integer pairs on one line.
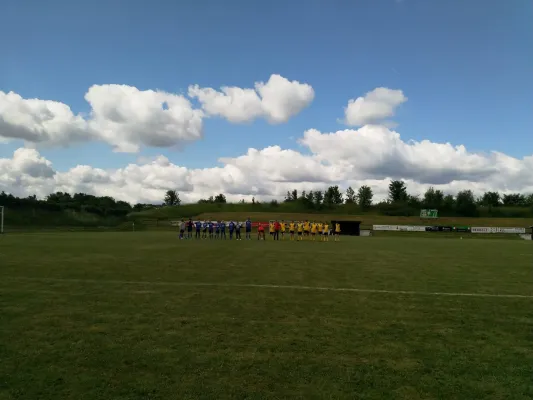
[[352, 228]]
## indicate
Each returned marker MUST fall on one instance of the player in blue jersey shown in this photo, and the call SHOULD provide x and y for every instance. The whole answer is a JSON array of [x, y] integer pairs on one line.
[[204, 230], [231, 227], [248, 228], [210, 227], [217, 229], [238, 226], [197, 229], [222, 230]]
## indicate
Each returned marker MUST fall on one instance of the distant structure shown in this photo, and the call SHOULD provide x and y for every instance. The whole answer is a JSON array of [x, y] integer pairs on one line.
[[352, 228]]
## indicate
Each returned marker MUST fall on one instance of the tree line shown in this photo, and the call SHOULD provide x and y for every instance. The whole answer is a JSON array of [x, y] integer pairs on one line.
[[104, 206], [398, 202]]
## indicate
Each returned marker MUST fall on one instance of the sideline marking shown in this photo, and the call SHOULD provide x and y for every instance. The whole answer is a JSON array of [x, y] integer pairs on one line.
[[267, 286]]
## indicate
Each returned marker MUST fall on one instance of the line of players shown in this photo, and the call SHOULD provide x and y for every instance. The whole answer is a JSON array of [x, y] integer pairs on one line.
[[214, 230], [304, 230], [298, 230]]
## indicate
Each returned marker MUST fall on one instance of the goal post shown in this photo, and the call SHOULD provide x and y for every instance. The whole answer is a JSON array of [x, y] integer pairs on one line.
[[2, 219]]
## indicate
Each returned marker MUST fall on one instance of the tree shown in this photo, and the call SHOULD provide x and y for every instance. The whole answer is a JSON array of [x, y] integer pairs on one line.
[[364, 197], [351, 197], [433, 199], [288, 197], [332, 196], [138, 207], [448, 203], [294, 195], [172, 198], [397, 191], [414, 201], [64, 200], [220, 198], [490, 199], [319, 198], [465, 203], [514, 200]]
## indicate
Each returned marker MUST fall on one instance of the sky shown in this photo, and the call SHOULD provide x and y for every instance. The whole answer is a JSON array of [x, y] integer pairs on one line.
[[253, 98]]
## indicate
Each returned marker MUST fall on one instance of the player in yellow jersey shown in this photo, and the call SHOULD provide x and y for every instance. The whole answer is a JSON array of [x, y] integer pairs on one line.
[[306, 229], [271, 229], [283, 225], [300, 230], [291, 230], [325, 232], [337, 232], [313, 230], [321, 230]]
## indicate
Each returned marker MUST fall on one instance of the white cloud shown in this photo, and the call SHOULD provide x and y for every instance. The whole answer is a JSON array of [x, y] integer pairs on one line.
[[374, 107], [40, 121], [277, 100], [371, 155], [127, 117], [376, 151], [121, 115]]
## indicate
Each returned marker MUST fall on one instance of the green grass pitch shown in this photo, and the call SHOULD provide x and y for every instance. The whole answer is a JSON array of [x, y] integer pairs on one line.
[[146, 316]]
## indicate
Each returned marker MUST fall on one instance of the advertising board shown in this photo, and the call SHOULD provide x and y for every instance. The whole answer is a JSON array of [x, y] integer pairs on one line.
[[385, 227], [429, 213], [481, 229], [461, 228], [439, 228], [403, 228]]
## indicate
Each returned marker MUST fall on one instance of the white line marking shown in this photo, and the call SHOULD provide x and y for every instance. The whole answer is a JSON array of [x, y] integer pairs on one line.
[[267, 286]]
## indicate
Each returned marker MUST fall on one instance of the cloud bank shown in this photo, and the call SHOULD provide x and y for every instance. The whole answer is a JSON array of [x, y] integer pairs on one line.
[[128, 118], [370, 155]]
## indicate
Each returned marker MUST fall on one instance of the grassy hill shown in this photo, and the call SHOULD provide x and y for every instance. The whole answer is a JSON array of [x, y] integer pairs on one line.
[[159, 218], [30, 219], [227, 212]]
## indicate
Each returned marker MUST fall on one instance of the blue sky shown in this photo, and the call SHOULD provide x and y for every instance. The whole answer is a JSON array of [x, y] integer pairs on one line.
[[465, 66]]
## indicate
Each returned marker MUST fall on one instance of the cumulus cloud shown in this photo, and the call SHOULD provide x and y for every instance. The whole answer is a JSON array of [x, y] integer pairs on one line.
[[128, 118], [371, 155], [40, 121], [26, 170], [376, 151], [374, 107], [276, 100], [121, 115]]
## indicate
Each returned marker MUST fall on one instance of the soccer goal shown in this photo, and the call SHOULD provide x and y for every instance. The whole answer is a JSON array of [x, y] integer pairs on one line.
[[1, 219]]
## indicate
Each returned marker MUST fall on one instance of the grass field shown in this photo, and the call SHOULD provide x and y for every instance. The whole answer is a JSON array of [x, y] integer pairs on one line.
[[145, 316]]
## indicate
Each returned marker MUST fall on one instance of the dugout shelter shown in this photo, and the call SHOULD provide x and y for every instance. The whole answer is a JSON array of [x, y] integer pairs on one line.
[[352, 228]]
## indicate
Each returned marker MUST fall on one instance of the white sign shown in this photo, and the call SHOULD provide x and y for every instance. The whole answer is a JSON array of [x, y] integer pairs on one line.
[[404, 228], [409, 228], [385, 227], [480, 229]]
